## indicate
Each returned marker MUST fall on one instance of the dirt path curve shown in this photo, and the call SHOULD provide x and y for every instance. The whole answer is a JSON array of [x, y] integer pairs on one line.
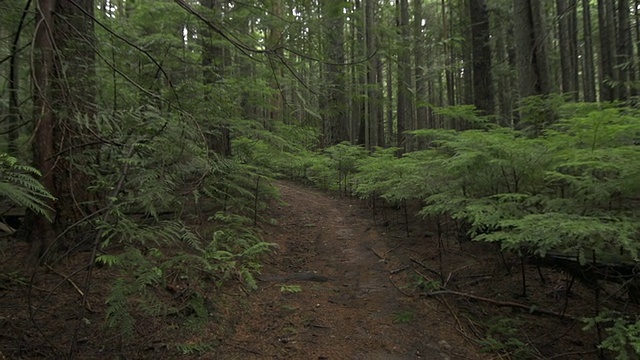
[[346, 306]]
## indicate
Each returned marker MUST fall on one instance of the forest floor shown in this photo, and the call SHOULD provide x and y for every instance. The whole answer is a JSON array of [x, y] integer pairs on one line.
[[372, 304], [349, 304], [340, 285]]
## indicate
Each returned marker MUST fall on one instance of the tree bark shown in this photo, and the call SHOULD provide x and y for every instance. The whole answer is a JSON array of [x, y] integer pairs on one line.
[[276, 111], [483, 97], [373, 83], [42, 233], [588, 63], [389, 90], [607, 50], [213, 64], [419, 63], [625, 63], [448, 55], [531, 50], [404, 108], [64, 91], [566, 12], [335, 126]]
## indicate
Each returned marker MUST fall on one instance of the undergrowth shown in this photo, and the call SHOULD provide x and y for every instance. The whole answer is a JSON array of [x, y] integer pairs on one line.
[[568, 188]]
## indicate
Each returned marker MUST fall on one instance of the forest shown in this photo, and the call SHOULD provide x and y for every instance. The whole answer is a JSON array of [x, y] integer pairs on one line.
[[144, 146]]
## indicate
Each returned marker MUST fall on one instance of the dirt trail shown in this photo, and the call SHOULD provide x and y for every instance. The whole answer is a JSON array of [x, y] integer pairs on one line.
[[348, 307]]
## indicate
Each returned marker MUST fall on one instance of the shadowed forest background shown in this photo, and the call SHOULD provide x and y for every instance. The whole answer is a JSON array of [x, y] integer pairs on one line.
[[144, 137]]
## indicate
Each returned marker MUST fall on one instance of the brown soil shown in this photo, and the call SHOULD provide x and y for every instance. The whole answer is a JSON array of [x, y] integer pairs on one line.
[[339, 286], [358, 313]]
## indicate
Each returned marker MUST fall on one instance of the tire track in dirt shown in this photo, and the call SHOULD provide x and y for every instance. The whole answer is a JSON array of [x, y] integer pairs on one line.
[[357, 314]]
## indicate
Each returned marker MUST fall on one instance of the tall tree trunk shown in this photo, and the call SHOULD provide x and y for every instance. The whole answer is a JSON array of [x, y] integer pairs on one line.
[[373, 84], [607, 50], [448, 55], [335, 125], [588, 63], [482, 80], [275, 37], [357, 109], [531, 50], [64, 92], [626, 66], [419, 63], [505, 61], [636, 90], [566, 10], [42, 232], [389, 83], [213, 64], [360, 70], [380, 105], [14, 86], [404, 98]]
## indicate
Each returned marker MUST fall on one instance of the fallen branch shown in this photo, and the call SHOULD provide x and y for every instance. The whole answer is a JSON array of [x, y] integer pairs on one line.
[[400, 269], [397, 288], [390, 250], [66, 278], [530, 308], [424, 276], [573, 353], [376, 253], [426, 267]]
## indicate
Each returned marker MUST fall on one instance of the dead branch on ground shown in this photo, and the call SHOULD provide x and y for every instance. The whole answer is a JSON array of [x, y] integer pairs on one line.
[[532, 309]]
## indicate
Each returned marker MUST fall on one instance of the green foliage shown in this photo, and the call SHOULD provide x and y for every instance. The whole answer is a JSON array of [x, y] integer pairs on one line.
[[501, 336], [572, 190], [162, 182], [290, 288], [537, 113], [195, 349], [424, 284], [623, 334], [343, 161], [466, 113], [232, 253], [403, 317], [395, 179], [19, 184], [118, 316]]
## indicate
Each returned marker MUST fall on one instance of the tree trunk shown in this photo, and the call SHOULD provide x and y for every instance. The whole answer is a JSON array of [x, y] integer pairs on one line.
[[213, 63], [566, 10], [373, 83], [64, 91], [276, 111], [588, 64], [504, 76], [531, 53], [607, 50], [335, 127], [42, 232], [481, 52], [448, 56], [14, 86], [626, 66], [405, 108], [419, 63], [390, 132]]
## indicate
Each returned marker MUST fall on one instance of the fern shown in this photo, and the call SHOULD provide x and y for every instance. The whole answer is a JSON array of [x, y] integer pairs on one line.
[[623, 334], [18, 184], [118, 316]]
